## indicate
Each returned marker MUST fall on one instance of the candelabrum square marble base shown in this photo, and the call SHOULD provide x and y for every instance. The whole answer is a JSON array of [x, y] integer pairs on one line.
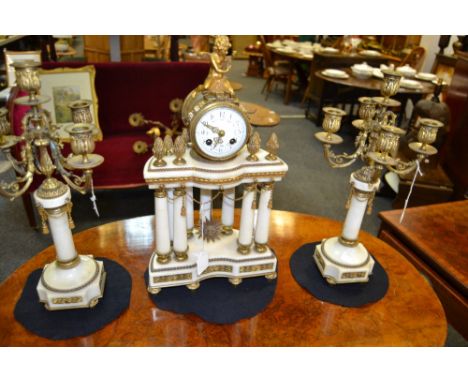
[[340, 264], [79, 287], [223, 261]]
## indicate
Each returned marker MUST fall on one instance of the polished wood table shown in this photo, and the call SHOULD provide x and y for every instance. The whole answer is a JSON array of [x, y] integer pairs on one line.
[[333, 91], [260, 116], [434, 238], [409, 315]]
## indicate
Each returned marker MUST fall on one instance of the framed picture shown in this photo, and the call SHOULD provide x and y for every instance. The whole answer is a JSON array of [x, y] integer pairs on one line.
[[64, 85], [14, 56]]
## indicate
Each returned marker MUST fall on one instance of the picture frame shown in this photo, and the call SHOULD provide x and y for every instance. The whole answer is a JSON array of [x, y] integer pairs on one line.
[[12, 56], [64, 85]]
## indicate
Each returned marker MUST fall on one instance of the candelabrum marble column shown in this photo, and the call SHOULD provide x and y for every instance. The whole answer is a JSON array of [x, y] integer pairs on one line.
[[227, 213], [180, 225], [163, 239], [189, 210], [247, 219], [170, 200], [205, 205], [263, 217], [72, 280], [344, 259]]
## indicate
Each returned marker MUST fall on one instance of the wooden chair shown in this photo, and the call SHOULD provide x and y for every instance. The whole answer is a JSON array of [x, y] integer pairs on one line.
[[275, 71], [415, 58]]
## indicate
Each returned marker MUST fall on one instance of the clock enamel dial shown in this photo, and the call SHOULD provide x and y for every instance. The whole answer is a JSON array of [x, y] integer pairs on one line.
[[219, 131]]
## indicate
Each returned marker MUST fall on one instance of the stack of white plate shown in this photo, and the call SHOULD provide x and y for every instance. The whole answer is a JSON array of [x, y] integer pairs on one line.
[[335, 73], [426, 76]]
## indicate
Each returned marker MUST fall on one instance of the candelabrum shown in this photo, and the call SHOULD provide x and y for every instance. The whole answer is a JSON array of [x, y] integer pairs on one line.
[[72, 280], [344, 259]]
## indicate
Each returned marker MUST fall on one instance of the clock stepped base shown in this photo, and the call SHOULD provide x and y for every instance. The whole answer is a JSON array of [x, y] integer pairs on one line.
[[223, 261]]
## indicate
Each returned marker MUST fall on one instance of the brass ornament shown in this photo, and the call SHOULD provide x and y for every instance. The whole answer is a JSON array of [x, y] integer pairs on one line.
[[51, 188], [212, 230], [175, 105], [253, 147], [68, 210], [136, 120], [168, 145], [140, 147], [179, 151], [158, 152], [81, 111], [185, 136], [272, 147], [44, 217]]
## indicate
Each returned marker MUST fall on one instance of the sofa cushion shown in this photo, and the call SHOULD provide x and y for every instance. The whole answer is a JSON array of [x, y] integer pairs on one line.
[[146, 87], [122, 167]]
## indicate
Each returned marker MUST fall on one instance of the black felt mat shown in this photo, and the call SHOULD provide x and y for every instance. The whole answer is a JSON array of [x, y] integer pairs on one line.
[[64, 324], [307, 275], [217, 300]]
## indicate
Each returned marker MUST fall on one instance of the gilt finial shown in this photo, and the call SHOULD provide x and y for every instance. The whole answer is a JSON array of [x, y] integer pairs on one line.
[[272, 147]]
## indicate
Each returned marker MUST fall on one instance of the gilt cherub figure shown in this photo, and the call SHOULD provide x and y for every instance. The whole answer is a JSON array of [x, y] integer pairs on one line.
[[216, 81]]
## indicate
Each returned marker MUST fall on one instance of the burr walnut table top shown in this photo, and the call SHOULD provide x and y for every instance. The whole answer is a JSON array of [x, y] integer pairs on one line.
[[409, 315]]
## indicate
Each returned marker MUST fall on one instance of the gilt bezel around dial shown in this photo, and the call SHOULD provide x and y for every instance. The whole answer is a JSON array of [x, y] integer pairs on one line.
[[205, 107]]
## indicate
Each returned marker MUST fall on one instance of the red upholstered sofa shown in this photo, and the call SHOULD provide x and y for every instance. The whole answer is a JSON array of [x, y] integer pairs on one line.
[[123, 89]]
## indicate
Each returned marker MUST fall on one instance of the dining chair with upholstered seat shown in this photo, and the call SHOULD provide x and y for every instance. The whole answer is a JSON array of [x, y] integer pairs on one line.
[[275, 70]]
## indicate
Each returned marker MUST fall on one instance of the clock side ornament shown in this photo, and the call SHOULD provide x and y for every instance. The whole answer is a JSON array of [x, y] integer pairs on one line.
[[343, 259], [72, 280], [216, 160]]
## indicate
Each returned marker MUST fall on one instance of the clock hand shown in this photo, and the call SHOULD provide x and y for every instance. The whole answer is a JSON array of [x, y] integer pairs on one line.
[[214, 129]]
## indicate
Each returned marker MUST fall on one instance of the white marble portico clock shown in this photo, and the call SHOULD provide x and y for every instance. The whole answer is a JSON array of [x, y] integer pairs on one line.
[[219, 130]]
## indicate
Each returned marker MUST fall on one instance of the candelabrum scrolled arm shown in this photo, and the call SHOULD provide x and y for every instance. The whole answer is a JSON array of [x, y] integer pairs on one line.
[[344, 159], [13, 189], [403, 168]]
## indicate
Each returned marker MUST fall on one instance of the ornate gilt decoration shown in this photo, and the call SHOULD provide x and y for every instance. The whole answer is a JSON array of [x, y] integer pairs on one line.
[[186, 136], [253, 147], [216, 81], [172, 278], [168, 145], [67, 300], [158, 153], [272, 147], [255, 268], [81, 111], [212, 230], [218, 268], [179, 151]]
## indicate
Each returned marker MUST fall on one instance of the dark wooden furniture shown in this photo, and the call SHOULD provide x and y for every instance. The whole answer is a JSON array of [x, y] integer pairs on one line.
[[434, 186], [409, 315], [455, 152], [434, 238], [324, 60], [337, 91], [255, 67], [444, 66]]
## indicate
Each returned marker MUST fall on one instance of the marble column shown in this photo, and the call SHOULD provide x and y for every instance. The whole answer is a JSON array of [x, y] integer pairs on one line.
[[163, 239], [189, 210], [227, 212], [263, 217], [170, 200], [205, 205], [247, 219], [180, 225], [61, 235], [354, 216]]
